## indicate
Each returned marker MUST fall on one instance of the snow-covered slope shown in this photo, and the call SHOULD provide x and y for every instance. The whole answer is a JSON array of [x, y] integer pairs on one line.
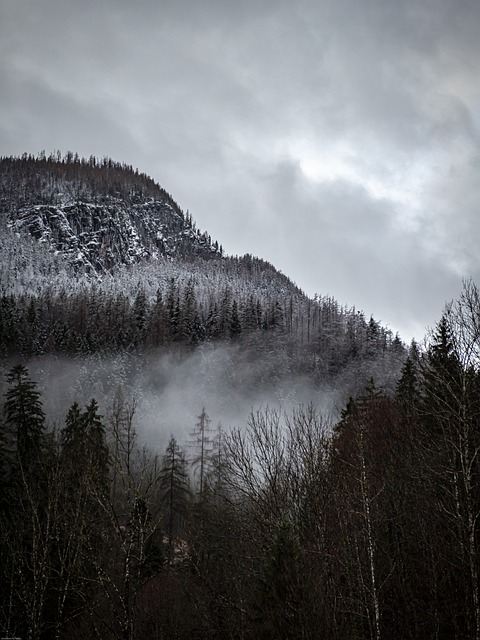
[[101, 236], [97, 215]]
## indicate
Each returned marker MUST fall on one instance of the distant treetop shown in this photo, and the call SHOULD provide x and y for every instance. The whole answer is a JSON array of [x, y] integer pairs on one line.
[[44, 177]]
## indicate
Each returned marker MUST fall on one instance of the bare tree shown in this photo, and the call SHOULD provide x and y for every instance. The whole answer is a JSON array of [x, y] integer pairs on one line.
[[133, 518], [451, 415]]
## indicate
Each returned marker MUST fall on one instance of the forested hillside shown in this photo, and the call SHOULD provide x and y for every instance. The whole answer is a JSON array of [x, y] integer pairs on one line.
[[99, 263], [96, 213], [191, 447]]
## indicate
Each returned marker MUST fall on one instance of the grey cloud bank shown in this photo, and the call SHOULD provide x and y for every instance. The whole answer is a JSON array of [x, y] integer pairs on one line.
[[338, 140]]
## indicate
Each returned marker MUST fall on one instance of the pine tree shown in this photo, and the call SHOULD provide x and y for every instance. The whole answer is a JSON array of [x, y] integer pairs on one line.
[[24, 416], [278, 591], [157, 324], [72, 437], [9, 325], [80, 527], [3, 464], [212, 321], [140, 313], [202, 443], [407, 391], [250, 320], [235, 326], [97, 450], [192, 330], [174, 494], [29, 335], [442, 380], [225, 314], [173, 310]]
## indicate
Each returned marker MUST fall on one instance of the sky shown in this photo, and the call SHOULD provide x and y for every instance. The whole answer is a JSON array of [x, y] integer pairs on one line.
[[337, 139]]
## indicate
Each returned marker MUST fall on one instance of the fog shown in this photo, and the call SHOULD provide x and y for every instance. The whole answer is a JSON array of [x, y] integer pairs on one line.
[[170, 388]]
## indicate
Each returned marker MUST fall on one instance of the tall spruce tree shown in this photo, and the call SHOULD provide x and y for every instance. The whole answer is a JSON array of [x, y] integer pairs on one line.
[[24, 416], [174, 494], [202, 443]]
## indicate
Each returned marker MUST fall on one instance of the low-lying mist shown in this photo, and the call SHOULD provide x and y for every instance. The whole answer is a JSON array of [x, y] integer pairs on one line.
[[170, 388]]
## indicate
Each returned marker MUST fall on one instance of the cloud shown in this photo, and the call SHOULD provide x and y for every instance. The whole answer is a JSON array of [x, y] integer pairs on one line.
[[337, 139]]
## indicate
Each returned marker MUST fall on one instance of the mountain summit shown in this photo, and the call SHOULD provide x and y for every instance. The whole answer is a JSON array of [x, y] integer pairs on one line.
[[97, 213]]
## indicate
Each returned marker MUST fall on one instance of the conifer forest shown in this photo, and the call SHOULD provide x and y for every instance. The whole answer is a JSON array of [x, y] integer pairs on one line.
[[312, 476]]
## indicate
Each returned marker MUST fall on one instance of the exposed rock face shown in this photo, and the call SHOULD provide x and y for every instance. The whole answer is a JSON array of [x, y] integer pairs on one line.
[[97, 215], [101, 236]]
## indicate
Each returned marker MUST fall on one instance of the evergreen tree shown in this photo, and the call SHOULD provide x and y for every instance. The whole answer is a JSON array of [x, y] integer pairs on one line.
[[29, 333], [442, 380], [157, 324], [225, 314], [73, 447], [174, 494], [250, 319], [80, 525], [202, 444], [278, 593], [9, 325], [97, 450], [235, 326], [173, 310], [24, 416], [212, 322], [140, 314], [192, 329], [407, 391]]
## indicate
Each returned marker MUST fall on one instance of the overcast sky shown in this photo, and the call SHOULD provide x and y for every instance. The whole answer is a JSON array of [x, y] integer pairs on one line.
[[337, 139]]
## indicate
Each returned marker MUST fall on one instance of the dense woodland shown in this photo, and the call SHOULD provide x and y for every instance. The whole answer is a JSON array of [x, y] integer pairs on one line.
[[48, 179], [285, 527], [290, 525]]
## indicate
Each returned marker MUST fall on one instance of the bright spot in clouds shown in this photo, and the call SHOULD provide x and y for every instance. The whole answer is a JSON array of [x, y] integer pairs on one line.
[[340, 164]]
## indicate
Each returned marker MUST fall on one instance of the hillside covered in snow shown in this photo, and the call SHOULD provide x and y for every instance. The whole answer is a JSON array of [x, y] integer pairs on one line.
[[97, 260], [97, 214]]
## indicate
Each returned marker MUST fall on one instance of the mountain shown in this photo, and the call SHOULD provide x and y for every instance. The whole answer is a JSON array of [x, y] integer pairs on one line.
[[98, 214], [97, 260]]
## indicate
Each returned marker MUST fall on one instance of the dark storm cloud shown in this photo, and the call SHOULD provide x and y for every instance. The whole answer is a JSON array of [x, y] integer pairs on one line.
[[337, 139]]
